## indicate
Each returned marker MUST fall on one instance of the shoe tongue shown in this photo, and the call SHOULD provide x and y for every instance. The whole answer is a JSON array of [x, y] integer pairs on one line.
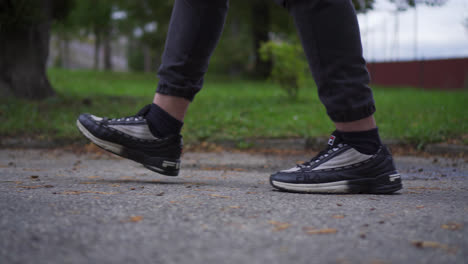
[[334, 139], [144, 110]]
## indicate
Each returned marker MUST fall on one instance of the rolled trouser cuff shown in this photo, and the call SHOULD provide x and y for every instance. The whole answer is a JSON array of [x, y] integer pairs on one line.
[[353, 114], [184, 92]]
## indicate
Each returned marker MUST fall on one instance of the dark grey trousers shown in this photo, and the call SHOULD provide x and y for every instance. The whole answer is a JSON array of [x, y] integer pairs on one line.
[[329, 32]]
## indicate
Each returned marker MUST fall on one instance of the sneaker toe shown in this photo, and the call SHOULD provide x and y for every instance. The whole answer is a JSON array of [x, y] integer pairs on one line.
[[282, 177], [90, 122]]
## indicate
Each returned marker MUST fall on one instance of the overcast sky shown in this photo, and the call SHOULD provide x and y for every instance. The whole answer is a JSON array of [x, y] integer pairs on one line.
[[440, 32]]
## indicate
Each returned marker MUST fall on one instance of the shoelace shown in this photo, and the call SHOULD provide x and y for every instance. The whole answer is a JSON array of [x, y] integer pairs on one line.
[[139, 116], [321, 155], [128, 118]]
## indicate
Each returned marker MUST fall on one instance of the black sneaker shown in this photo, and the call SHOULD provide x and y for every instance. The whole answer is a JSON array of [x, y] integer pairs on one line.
[[131, 138], [341, 169]]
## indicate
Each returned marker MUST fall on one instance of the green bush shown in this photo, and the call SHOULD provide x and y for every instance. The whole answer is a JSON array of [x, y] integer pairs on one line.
[[289, 65]]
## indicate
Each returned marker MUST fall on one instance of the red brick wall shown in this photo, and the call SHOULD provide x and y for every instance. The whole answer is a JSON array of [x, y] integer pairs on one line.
[[431, 74]]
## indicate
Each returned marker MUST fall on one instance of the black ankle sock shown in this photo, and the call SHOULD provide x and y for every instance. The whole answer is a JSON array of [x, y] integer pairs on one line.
[[366, 142], [161, 123]]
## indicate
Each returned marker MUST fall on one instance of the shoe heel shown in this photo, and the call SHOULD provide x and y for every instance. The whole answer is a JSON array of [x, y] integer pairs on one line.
[[169, 167], [387, 183]]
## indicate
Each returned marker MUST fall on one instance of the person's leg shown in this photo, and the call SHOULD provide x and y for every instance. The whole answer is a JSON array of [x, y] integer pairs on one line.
[[194, 31], [356, 160], [330, 35], [152, 136]]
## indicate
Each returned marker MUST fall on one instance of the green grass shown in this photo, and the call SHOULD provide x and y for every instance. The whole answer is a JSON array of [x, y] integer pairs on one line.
[[230, 109]]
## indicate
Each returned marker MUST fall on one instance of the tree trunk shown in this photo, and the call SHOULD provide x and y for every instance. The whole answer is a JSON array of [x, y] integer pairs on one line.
[[97, 46], [23, 58], [66, 52], [260, 28], [107, 49], [147, 59]]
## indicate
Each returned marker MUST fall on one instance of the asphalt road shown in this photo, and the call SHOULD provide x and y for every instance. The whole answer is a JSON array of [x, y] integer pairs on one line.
[[61, 207]]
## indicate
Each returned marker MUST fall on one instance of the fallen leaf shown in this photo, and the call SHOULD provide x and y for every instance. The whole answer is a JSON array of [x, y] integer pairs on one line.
[[36, 186], [28, 169], [420, 206], [219, 196], [235, 207], [134, 219], [433, 244], [34, 177], [338, 216], [132, 178], [209, 178], [70, 192], [452, 226], [80, 192], [313, 231], [279, 226]]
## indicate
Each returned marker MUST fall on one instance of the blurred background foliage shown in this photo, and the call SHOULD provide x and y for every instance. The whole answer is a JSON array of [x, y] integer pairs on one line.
[[136, 31]]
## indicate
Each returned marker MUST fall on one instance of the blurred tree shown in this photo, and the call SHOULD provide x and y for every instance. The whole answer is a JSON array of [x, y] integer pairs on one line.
[[95, 17], [261, 25], [249, 23], [145, 23], [289, 65], [404, 4], [25, 33], [267, 17], [65, 30]]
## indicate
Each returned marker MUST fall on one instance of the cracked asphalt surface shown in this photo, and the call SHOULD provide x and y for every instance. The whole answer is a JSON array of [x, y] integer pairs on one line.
[[57, 206]]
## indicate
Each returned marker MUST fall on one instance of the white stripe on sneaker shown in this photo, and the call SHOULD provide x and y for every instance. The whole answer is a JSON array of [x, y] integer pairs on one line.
[[139, 131], [329, 187], [349, 157]]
